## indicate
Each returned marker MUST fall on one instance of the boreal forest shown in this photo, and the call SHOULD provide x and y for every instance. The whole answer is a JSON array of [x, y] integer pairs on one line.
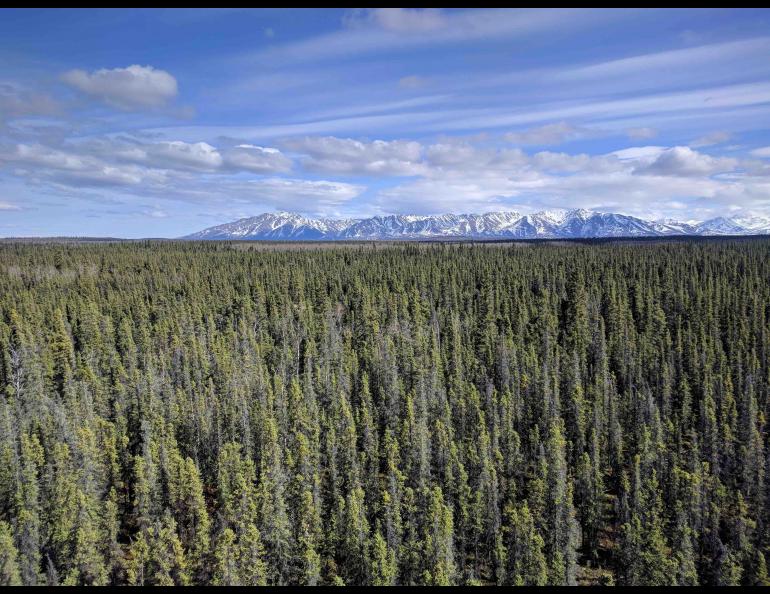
[[535, 413]]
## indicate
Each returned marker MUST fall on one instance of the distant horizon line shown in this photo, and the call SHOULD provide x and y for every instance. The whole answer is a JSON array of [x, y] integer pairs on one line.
[[357, 219], [427, 239]]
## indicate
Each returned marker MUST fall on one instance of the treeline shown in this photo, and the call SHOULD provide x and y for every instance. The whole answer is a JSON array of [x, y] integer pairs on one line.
[[190, 413]]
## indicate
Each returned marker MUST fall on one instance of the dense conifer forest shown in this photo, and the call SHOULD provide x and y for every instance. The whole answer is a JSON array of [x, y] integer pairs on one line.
[[542, 413]]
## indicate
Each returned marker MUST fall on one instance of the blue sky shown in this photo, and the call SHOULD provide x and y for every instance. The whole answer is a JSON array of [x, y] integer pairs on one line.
[[137, 123]]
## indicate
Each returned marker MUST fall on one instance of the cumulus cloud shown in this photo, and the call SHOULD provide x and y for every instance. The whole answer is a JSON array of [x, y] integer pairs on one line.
[[635, 153], [131, 88], [355, 157], [465, 159], [620, 190], [201, 156], [455, 154], [682, 161], [460, 174], [565, 163], [649, 181], [257, 159], [132, 168], [197, 156], [173, 155], [451, 156], [451, 175], [43, 163]]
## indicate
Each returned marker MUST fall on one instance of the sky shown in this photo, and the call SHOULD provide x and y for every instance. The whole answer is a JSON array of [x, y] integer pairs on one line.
[[159, 123]]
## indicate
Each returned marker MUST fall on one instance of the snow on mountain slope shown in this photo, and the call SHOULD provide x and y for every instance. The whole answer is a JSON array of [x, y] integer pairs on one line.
[[558, 223]]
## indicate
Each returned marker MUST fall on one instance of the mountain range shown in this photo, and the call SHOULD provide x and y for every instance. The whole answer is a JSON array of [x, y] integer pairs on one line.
[[558, 223]]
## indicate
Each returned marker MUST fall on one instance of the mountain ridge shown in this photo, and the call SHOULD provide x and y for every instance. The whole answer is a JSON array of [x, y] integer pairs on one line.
[[550, 224]]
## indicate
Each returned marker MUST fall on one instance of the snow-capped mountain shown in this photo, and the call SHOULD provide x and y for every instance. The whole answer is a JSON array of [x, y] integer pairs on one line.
[[279, 225], [579, 223], [749, 225]]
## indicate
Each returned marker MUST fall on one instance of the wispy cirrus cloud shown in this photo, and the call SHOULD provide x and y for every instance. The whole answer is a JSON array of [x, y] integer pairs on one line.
[[726, 101], [390, 29], [557, 133], [675, 60]]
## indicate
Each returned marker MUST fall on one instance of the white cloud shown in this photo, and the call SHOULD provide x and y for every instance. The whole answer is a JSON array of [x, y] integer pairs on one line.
[[639, 152], [257, 159], [9, 206], [650, 181], [457, 154], [565, 163], [458, 175], [198, 155], [134, 87], [354, 157], [450, 156], [682, 161], [175, 155], [761, 152], [455, 174], [132, 168], [620, 190], [43, 163]]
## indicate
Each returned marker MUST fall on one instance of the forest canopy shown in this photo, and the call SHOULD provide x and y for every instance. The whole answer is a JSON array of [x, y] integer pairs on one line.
[[540, 413]]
